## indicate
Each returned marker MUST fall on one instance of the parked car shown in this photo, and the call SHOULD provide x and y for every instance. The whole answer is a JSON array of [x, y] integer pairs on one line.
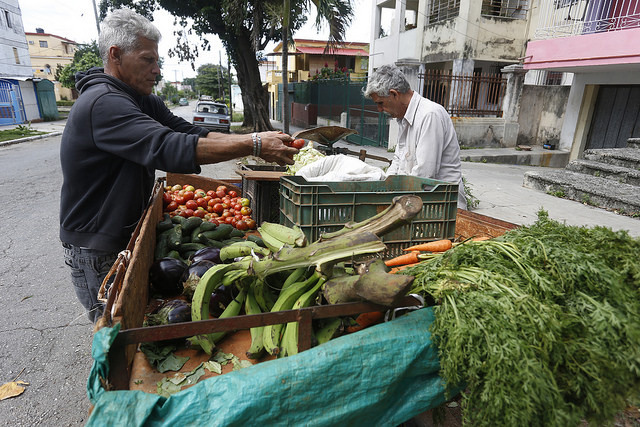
[[183, 101], [212, 115]]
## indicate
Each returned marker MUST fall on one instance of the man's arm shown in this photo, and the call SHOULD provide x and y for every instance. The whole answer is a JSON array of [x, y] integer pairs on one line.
[[218, 147]]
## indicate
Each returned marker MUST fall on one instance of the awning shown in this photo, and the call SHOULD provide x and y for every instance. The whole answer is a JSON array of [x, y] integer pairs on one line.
[[339, 51]]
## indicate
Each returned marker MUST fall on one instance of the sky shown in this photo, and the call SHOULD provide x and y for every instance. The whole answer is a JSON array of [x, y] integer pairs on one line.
[[75, 20]]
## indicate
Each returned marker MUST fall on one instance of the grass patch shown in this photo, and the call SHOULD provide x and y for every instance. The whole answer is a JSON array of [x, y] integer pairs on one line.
[[21, 131]]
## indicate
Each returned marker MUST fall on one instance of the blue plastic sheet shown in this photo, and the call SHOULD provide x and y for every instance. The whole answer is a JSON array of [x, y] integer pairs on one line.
[[383, 375]]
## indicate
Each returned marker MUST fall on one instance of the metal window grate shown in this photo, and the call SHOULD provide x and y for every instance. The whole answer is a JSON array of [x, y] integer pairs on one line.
[[441, 10], [515, 9], [471, 95]]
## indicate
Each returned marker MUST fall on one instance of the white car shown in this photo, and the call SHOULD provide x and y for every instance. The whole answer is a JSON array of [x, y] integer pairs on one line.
[[212, 115]]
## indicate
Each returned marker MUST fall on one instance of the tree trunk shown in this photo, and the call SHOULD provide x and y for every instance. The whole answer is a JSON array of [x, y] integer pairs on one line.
[[285, 67], [254, 96]]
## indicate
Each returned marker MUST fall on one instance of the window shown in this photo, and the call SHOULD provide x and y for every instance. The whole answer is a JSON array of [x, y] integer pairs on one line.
[[31, 42], [43, 43], [516, 9], [7, 16], [554, 78], [441, 10], [47, 69], [15, 54]]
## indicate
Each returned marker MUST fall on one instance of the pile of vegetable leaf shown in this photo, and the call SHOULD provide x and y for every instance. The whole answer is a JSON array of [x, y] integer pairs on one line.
[[541, 325]]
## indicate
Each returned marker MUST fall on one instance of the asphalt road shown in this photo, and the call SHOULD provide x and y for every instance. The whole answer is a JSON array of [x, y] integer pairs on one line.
[[45, 337]]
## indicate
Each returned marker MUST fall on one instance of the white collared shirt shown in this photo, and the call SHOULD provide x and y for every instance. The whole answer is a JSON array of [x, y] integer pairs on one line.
[[428, 146]]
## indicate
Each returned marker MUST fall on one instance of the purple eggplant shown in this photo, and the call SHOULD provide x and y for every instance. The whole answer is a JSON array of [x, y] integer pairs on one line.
[[172, 311], [208, 253], [165, 275]]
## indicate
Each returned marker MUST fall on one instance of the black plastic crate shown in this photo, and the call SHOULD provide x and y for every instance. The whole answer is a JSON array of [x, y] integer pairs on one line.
[[264, 195]]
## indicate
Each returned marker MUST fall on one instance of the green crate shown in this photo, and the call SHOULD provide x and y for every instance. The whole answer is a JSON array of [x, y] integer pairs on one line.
[[264, 195], [322, 207]]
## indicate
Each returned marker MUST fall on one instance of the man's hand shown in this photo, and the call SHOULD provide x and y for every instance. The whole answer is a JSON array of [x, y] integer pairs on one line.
[[275, 148]]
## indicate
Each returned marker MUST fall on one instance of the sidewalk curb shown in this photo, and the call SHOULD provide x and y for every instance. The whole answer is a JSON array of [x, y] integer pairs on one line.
[[29, 138]]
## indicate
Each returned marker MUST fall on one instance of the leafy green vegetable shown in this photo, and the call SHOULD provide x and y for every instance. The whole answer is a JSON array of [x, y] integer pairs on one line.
[[162, 357], [170, 385], [542, 325], [305, 156]]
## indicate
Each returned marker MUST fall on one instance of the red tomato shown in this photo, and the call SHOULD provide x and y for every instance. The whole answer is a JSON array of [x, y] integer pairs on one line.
[[199, 213], [241, 225], [211, 193], [246, 210], [218, 208], [222, 188], [188, 195], [179, 199], [201, 202], [298, 143], [251, 223], [232, 193], [172, 206], [221, 193], [167, 198], [199, 193], [191, 204]]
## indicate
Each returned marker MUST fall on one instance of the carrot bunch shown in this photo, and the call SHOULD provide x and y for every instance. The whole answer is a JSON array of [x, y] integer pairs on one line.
[[414, 251]]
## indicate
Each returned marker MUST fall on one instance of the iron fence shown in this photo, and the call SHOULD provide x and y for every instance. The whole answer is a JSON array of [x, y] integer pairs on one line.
[[465, 95]]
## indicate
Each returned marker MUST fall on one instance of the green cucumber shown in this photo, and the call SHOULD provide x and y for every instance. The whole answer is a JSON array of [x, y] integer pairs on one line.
[[190, 223], [221, 232], [175, 236]]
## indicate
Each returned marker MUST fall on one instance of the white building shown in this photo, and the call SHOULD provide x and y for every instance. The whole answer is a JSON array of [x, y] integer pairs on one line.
[[18, 98]]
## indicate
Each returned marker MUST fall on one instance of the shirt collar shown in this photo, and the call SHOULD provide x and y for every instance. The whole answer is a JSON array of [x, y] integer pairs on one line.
[[412, 108]]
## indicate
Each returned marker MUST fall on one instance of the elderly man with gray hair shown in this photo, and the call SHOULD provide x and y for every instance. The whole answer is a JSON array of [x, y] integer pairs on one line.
[[116, 136], [427, 146]]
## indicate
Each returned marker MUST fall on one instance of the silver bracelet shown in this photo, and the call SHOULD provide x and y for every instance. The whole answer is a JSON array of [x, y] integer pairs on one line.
[[259, 151], [254, 138]]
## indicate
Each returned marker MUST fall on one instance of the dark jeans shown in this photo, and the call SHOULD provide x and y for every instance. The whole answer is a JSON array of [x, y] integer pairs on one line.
[[89, 267]]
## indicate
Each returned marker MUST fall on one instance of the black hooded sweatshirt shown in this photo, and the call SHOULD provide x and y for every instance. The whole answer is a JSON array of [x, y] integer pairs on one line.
[[112, 144]]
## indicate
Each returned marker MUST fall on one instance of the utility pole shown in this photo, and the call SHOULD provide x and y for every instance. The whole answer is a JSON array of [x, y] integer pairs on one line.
[[220, 87], [230, 89], [95, 12]]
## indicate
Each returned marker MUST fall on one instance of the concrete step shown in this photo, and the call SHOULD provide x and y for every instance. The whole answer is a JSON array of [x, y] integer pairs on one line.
[[625, 157], [605, 170], [587, 189], [537, 156], [633, 143]]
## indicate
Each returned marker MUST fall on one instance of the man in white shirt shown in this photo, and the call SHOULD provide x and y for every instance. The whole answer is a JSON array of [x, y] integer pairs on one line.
[[427, 146]]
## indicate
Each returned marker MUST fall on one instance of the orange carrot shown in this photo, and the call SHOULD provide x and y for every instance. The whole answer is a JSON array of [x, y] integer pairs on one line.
[[366, 319], [400, 268], [435, 246], [410, 258]]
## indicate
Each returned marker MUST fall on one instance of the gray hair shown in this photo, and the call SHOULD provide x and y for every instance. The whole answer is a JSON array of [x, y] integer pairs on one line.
[[385, 78], [123, 28]]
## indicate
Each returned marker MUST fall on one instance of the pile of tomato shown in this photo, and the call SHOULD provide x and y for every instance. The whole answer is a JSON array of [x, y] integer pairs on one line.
[[218, 206]]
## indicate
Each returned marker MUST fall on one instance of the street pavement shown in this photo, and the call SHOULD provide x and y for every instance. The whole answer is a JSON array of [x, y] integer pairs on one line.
[[498, 187], [45, 338]]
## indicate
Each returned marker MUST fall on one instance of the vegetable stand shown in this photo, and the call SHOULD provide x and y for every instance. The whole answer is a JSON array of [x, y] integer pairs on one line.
[[410, 386]]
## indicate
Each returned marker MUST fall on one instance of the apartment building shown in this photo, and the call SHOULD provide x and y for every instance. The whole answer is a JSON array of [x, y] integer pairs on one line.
[[599, 42], [48, 52]]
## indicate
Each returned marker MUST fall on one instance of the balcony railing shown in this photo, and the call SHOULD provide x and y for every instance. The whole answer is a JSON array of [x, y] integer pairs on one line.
[[560, 18]]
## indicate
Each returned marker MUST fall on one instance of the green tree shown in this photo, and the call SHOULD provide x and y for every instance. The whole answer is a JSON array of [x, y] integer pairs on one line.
[[212, 80], [245, 28], [86, 56]]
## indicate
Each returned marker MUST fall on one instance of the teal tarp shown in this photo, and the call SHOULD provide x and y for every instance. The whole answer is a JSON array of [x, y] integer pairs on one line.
[[383, 375]]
